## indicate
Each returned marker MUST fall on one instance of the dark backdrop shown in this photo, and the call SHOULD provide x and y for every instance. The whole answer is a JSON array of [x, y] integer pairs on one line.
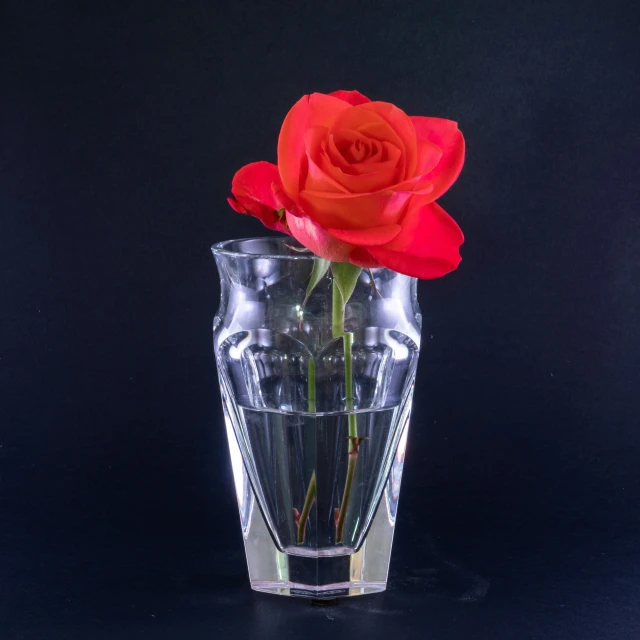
[[122, 125]]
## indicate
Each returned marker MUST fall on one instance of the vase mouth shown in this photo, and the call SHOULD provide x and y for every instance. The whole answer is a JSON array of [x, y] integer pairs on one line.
[[268, 247]]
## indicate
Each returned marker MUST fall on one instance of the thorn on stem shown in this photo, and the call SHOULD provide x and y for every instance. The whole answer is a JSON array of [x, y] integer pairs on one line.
[[355, 444]]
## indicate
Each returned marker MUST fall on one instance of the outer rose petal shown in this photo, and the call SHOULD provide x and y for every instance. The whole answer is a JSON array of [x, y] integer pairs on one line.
[[354, 211], [425, 226], [324, 108], [285, 201], [375, 236], [354, 98], [309, 111], [428, 245], [418, 185], [291, 156], [423, 268], [251, 187], [429, 154], [446, 135], [253, 181], [362, 258], [317, 240]]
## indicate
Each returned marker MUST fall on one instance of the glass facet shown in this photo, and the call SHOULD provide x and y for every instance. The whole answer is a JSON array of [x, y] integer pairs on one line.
[[291, 420]]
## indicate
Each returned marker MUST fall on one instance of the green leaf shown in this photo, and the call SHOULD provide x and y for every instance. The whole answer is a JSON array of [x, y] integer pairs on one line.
[[346, 276], [320, 267]]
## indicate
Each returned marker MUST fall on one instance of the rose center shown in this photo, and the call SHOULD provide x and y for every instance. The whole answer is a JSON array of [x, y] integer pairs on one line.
[[358, 150], [354, 152]]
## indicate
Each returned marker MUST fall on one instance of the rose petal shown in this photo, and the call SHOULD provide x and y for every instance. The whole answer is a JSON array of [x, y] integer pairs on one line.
[[318, 179], [426, 227], [415, 266], [334, 154], [317, 240], [429, 154], [390, 151], [362, 258], [291, 155], [446, 135], [284, 201], [309, 111], [236, 205], [323, 109], [354, 211], [314, 137], [367, 122], [362, 177], [251, 187], [375, 152], [359, 121], [374, 236], [401, 124], [380, 130], [418, 185], [254, 180], [383, 178], [427, 246], [352, 97]]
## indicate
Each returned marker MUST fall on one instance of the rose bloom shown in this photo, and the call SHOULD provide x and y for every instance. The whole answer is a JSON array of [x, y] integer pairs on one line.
[[356, 181]]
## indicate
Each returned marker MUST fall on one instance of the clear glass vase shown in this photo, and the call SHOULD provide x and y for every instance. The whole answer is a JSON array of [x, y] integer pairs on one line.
[[317, 439]]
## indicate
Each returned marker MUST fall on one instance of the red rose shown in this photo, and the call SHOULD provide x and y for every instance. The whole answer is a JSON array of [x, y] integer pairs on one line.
[[356, 182]]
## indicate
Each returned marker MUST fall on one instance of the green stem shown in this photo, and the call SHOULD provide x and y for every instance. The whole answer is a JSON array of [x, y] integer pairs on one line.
[[312, 489], [337, 321], [306, 509], [346, 496], [347, 339], [337, 311], [311, 385]]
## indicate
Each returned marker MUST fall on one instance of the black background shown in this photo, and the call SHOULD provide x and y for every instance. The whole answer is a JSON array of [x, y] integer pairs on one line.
[[122, 125]]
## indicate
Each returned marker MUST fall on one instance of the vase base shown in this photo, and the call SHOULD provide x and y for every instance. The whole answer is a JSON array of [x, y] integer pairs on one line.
[[324, 592], [320, 573]]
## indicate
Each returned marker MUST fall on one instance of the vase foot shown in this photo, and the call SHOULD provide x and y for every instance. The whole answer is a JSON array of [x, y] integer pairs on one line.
[[324, 594]]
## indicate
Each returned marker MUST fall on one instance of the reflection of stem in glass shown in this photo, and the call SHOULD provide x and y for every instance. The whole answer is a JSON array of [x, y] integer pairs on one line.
[[306, 509], [337, 322], [372, 282]]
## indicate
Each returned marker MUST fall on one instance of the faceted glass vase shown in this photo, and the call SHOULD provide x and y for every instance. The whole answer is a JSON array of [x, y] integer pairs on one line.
[[317, 439]]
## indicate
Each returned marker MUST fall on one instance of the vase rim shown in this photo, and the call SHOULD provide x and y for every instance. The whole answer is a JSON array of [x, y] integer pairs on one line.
[[254, 248], [241, 248]]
